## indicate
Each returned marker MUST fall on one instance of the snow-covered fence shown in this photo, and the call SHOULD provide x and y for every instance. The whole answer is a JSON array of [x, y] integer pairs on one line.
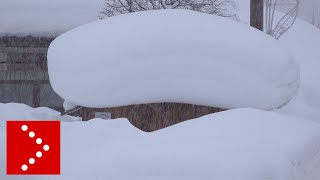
[[23, 72]]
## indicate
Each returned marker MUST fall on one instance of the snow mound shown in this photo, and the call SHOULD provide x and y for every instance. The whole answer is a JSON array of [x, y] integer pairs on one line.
[[242, 144], [171, 56], [304, 40], [15, 111]]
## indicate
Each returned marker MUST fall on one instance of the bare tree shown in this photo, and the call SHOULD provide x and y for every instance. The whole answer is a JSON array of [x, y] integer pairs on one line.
[[217, 7]]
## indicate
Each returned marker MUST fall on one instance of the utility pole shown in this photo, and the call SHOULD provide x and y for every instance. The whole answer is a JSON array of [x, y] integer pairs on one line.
[[256, 14]]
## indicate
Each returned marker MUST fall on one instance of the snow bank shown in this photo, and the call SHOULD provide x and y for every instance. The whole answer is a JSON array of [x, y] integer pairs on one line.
[[303, 41], [46, 17], [242, 144], [171, 56], [15, 111]]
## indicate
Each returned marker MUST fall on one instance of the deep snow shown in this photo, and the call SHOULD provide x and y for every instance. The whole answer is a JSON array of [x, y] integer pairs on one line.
[[302, 41], [130, 59], [242, 144], [40, 17], [252, 144]]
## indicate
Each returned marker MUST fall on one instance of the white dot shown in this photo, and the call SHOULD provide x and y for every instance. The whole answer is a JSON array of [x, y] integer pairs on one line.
[[46, 147], [39, 141], [39, 154], [32, 160], [31, 134], [24, 128], [24, 167]]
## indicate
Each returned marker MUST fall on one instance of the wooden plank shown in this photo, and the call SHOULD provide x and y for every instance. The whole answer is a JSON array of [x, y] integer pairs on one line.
[[3, 67], [3, 57], [36, 93], [24, 81], [23, 75], [23, 50]]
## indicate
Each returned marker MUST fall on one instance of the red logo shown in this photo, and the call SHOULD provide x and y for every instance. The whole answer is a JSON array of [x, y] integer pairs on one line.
[[33, 147]]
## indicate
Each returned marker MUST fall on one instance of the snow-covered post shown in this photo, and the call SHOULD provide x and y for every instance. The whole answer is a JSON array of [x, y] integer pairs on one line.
[[256, 14]]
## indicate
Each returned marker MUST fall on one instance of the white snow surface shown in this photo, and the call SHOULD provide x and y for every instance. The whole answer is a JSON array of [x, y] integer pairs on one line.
[[15, 111], [46, 17], [242, 144], [304, 41], [147, 57]]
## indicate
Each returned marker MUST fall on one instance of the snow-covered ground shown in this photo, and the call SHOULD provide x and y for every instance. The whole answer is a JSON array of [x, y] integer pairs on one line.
[[14, 111], [242, 144], [190, 62]]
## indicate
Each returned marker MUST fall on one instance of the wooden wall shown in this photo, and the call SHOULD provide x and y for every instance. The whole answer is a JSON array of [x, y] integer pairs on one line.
[[24, 74], [151, 117]]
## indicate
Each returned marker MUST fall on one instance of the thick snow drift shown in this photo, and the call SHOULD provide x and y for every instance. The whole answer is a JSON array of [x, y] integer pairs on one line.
[[171, 56], [303, 41], [242, 144]]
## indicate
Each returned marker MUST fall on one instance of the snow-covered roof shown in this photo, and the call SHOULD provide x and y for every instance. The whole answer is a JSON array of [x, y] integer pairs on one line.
[[171, 56]]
